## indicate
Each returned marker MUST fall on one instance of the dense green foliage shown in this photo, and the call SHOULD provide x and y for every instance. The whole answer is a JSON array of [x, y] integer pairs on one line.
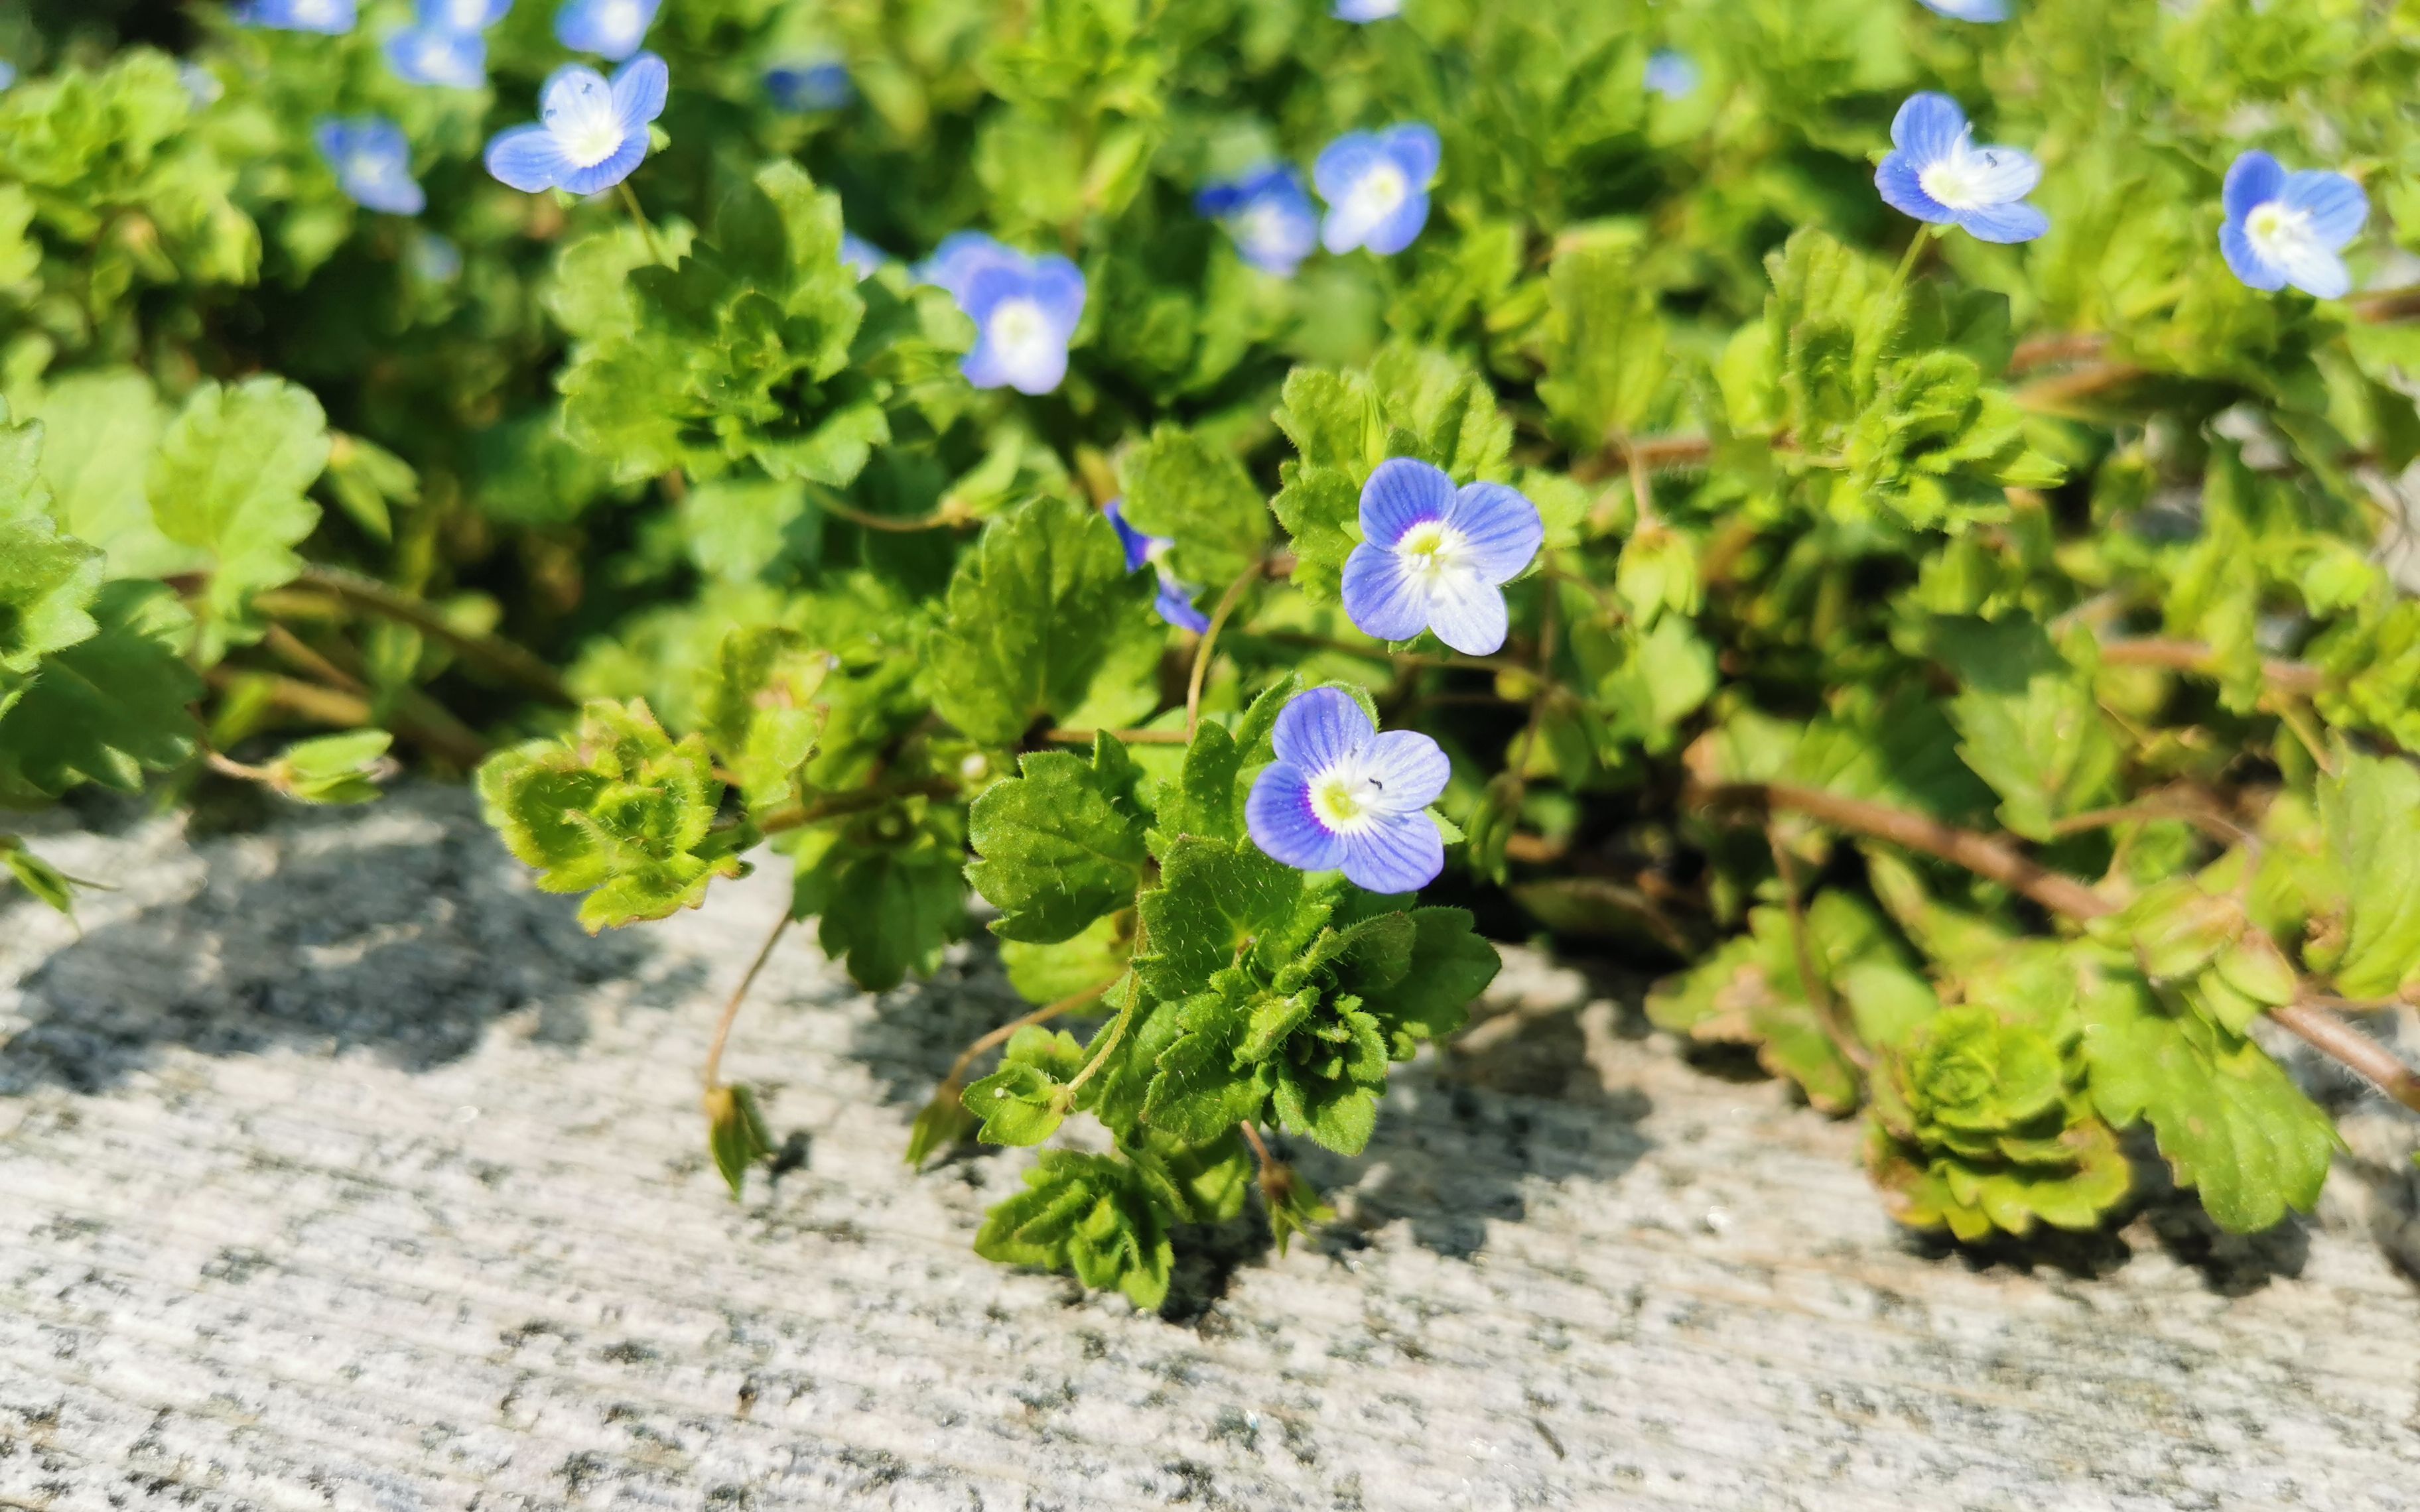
[[1971, 676]]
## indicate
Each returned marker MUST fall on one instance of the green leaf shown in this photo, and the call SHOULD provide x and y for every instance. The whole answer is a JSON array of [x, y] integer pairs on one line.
[[1181, 486], [763, 712], [1092, 1215], [890, 912], [1204, 800], [1216, 903], [1047, 973], [1044, 621], [1444, 967], [47, 585], [108, 708], [1334, 421], [1197, 1090], [2028, 722], [1018, 1104], [2367, 930], [228, 482], [36, 876], [1607, 354], [2231, 1123], [619, 810], [736, 1133], [332, 768], [1061, 844]]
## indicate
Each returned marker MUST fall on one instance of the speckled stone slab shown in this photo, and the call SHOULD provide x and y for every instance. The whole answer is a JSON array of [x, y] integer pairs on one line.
[[339, 1170]]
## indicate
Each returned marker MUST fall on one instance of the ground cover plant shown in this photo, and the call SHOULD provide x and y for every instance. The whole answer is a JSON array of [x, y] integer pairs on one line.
[[1879, 512]]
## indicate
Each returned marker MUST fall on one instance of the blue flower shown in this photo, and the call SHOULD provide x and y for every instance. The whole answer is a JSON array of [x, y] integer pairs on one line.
[[1671, 74], [609, 28], [462, 15], [1342, 796], [1268, 213], [372, 160], [1434, 556], [202, 86], [1175, 603], [819, 84], [1362, 12], [433, 258], [2287, 227], [1939, 176], [862, 256], [333, 18], [1376, 187], [1024, 309], [1983, 10], [590, 132], [440, 55]]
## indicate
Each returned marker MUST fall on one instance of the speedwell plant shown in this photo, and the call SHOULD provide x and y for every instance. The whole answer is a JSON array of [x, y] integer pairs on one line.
[[1881, 514]]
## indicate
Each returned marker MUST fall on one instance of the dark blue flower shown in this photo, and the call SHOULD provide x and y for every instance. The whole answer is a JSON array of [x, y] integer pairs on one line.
[[1342, 796], [1268, 213], [2285, 228], [439, 55], [1434, 556], [1671, 74], [332, 18], [1937, 175], [1377, 185], [372, 160], [589, 133], [1175, 602], [818, 84], [609, 28]]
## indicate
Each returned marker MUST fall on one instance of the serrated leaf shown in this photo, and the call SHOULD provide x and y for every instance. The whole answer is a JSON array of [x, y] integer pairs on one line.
[[1203, 801], [1183, 487], [2369, 816], [892, 911], [1091, 1214], [762, 710], [1059, 845], [228, 482], [1043, 620], [109, 708], [736, 1133], [2028, 722], [1017, 1104], [1216, 901]]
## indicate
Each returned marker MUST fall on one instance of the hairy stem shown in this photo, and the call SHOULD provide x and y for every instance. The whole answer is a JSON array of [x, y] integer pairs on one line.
[[1117, 1032], [647, 228], [1063, 735], [1227, 602], [1000, 1036], [2194, 656], [848, 803], [504, 657], [712, 1071], [2365, 1056]]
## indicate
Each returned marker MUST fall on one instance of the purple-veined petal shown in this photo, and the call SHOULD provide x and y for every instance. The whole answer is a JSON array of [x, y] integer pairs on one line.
[[2019, 222], [528, 158], [2253, 180], [1058, 286], [1902, 189], [1467, 614], [1928, 128], [1403, 491], [1343, 162], [1501, 527], [1278, 815], [2244, 258], [1410, 768], [574, 91], [1319, 728], [1415, 151], [639, 89], [1380, 597], [961, 256], [2335, 203], [1999, 176], [612, 170], [2315, 270], [1401, 853]]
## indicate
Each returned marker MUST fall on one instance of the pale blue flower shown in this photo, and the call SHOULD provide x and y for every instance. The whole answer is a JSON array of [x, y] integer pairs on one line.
[[1434, 556], [332, 18], [1981, 10], [462, 15], [1937, 175], [609, 28], [817, 83], [1268, 213], [1362, 12], [960, 257], [1672, 74], [1175, 602], [1377, 185], [2285, 228], [589, 133], [372, 160], [7, 75], [202, 86], [439, 55], [1025, 309], [859, 255], [1343, 797]]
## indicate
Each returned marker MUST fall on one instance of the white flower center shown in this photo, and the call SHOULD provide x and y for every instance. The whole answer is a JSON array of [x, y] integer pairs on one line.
[[583, 122], [2278, 232], [1021, 331], [315, 12], [1344, 798], [1264, 229], [468, 15], [433, 51], [1431, 550], [619, 19], [1956, 180], [1380, 192], [368, 168]]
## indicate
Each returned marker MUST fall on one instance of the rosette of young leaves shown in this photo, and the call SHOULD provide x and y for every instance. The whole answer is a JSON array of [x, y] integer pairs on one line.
[[1411, 402], [617, 810], [1981, 1122], [2202, 943], [740, 353], [1103, 1218]]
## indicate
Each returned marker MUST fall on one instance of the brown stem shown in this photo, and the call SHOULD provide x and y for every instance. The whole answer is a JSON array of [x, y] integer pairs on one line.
[[1061, 736], [712, 1071], [1978, 854], [1227, 602], [1000, 1036], [1819, 986], [290, 649], [2332, 1036], [2209, 822], [2054, 395], [498, 655], [446, 738], [848, 803], [2044, 351], [949, 516], [2194, 656]]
